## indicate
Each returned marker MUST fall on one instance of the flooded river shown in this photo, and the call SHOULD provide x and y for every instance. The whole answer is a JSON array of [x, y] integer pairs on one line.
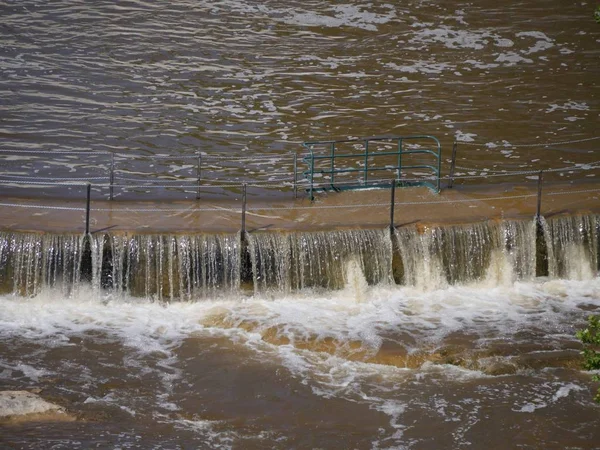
[[241, 78], [425, 338]]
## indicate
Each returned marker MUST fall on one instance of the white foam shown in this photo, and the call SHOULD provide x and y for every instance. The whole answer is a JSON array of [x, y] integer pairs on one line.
[[426, 316], [568, 106], [30, 372], [341, 15], [512, 58], [531, 407], [456, 38], [464, 137], [564, 391]]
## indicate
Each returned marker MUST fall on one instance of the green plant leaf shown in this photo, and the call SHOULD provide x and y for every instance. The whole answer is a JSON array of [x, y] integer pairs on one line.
[[590, 338]]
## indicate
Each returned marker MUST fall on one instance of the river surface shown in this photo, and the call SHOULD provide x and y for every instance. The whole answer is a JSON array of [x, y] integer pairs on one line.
[[231, 79], [490, 362], [478, 367]]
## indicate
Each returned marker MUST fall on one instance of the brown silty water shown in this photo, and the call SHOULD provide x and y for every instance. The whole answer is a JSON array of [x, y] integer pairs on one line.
[[320, 327]]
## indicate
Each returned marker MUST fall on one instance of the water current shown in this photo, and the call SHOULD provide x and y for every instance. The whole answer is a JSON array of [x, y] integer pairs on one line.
[[355, 338], [427, 337], [240, 78]]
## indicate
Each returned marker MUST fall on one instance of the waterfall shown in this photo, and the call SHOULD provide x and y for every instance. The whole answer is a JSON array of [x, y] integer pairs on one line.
[[29, 262], [187, 267], [572, 244], [165, 267], [290, 261], [499, 252]]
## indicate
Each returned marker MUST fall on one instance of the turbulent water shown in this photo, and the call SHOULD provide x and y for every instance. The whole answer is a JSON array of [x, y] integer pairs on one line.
[[349, 338], [424, 337]]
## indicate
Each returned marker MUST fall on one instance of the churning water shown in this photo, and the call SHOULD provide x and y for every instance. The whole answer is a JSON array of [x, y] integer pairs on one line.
[[425, 337]]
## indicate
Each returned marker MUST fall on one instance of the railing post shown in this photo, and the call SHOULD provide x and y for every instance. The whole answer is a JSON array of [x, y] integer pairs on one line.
[[366, 175], [87, 209], [199, 173], [295, 175], [539, 196], [439, 165], [452, 165], [112, 175], [244, 209], [399, 175], [312, 174], [392, 204], [332, 163]]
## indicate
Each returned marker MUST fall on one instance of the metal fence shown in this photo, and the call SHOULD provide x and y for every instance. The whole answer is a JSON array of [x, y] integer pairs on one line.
[[111, 174]]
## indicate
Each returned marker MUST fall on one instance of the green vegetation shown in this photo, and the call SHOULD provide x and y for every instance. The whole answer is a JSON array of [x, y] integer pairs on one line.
[[590, 338], [597, 14]]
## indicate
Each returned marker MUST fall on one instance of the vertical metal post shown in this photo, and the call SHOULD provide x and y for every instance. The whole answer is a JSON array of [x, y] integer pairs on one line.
[[439, 165], [312, 173], [295, 175], [112, 175], [199, 173], [366, 175], [539, 196], [399, 175], [87, 209], [392, 204], [452, 165], [332, 163], [244, 209]]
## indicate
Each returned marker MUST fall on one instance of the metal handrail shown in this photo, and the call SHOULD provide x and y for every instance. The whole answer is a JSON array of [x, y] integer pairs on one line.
[[330, 146]]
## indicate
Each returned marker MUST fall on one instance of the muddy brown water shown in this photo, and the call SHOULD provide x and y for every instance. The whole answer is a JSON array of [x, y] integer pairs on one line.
[[487, 363]]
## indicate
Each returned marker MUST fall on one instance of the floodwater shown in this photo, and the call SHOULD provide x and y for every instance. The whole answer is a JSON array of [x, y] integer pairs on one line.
[[233, 78], [480, 361], [377, 368], [453, 336]]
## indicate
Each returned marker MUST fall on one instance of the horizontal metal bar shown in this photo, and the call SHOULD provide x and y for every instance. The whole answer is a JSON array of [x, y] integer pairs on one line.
[[374, 154], [421, 166], [432, 152], [370, 139], [354, 155]]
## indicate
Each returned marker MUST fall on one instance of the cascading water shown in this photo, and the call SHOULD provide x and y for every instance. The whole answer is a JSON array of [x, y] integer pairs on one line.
[[167, 267], [29, 262], [290, 261], [161, 267], [434, 257], [460, 332], [572, 245]]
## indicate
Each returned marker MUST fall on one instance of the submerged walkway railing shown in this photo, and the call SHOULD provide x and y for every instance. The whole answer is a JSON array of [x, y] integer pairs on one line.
[[372, 159], [244, 209], [116, 174], [104, 175]]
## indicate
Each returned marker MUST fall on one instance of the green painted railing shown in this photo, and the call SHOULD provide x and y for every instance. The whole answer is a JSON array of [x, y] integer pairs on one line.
[[324, 171]]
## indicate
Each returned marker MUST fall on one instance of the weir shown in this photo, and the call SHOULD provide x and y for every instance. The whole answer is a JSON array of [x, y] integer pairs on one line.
[[168, 267]]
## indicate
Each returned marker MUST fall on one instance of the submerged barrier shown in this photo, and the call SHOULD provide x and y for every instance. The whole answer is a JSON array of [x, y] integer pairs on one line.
[[186, 267], [88, 210], [195, 174], [362, 163], [203, 265]]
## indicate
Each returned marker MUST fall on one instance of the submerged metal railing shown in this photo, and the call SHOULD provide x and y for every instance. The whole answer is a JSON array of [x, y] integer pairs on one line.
[[325, 167], [116, 173], [332, 165]]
